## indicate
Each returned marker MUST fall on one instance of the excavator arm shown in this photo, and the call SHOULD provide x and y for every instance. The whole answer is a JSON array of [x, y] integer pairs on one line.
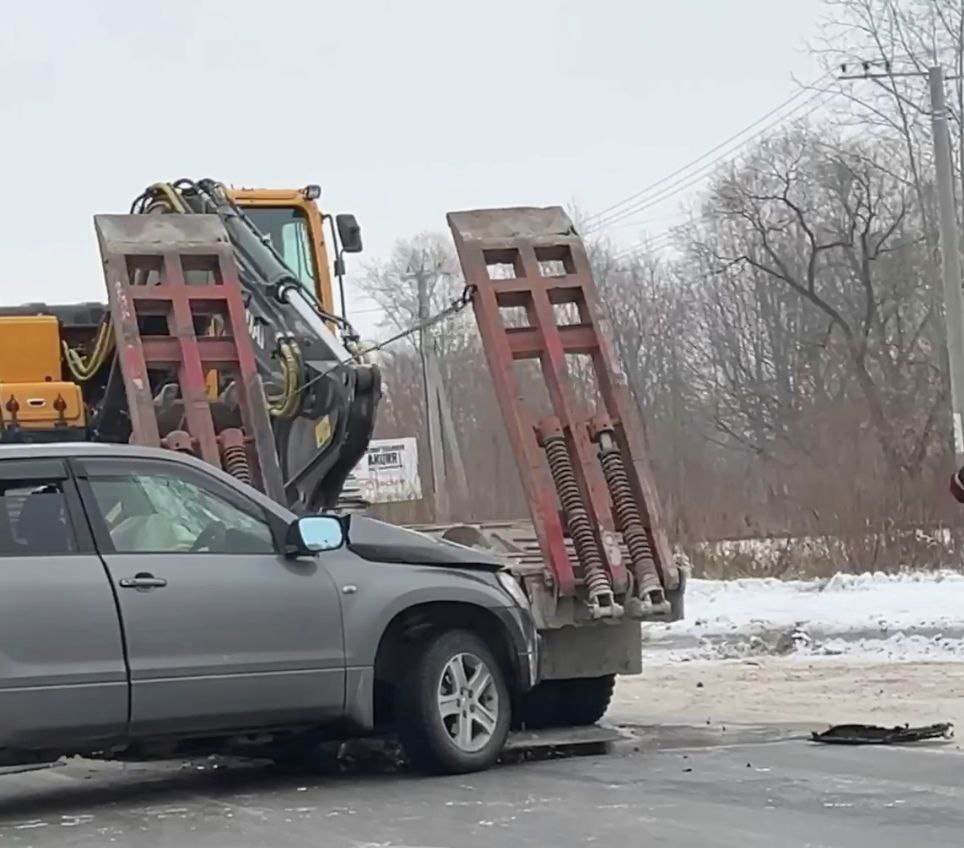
[[323, 399]]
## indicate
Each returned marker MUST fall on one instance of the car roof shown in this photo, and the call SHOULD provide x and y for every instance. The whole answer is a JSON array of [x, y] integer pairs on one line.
[[26, 451], [68, 449], [82, 449]]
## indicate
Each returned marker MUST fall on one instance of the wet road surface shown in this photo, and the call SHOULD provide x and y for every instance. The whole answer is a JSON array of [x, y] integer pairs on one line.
[[679, 787]]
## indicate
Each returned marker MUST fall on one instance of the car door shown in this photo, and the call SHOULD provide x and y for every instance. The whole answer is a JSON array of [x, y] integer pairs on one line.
[[62, 675], [221, 630]]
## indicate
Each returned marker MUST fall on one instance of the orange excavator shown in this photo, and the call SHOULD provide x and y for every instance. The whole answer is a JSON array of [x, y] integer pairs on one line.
[[322, 416]]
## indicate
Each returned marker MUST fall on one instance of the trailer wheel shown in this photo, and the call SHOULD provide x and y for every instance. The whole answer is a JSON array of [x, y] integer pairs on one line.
[[583, 701], [454, 706], [538, 707], [577, 702]]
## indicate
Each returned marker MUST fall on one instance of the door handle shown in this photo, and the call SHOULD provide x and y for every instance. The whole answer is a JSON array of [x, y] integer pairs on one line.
[[143, 581]]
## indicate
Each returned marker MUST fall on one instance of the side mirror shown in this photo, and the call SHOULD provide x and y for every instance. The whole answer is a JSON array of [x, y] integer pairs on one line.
[[349, 233], [312, 534]]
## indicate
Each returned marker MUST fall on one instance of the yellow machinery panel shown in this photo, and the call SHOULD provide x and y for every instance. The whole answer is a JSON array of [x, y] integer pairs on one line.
[[41, 406], [29, 349]]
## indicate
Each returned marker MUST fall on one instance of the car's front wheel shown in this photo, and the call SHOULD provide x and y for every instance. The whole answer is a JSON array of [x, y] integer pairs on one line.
[[455, 708]]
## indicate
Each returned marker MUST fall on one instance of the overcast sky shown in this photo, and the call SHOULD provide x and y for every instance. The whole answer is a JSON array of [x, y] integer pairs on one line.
[[400, 110]]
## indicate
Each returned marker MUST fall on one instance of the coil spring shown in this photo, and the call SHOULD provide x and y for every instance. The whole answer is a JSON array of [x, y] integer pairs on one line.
[[630, 520], [235, 459], [577, 519]]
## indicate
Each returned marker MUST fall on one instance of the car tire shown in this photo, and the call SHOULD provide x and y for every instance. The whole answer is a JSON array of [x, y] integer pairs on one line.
[[577, 702], [455, 708]]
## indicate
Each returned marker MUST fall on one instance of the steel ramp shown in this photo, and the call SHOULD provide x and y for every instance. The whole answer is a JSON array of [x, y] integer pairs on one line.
[[584, 468], [564, 738], [169, 249]]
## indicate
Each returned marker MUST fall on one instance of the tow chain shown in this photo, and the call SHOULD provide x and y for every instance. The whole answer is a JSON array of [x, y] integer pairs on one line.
[[454, 308]]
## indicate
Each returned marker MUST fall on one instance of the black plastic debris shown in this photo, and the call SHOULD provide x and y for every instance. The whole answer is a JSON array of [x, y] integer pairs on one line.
[[869, 734]]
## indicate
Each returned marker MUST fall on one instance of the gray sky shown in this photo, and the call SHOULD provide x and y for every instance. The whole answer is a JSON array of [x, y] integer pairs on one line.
[[401, 111]]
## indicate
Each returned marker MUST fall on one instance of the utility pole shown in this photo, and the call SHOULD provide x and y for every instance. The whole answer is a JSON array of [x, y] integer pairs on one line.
[[950, 255], [433, 422], [445, 456], [949, 240], [455, 467]]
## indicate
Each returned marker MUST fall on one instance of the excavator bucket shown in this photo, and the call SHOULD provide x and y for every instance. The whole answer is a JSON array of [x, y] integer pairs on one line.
[[582, 461]]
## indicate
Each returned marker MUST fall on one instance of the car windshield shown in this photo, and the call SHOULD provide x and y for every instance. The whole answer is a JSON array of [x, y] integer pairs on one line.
[[287, 229]]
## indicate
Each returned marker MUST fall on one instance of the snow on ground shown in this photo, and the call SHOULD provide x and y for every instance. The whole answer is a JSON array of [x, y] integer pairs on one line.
[[867, 617]]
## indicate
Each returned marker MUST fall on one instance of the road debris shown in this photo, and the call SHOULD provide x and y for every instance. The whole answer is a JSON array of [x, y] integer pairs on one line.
[[869, 734]]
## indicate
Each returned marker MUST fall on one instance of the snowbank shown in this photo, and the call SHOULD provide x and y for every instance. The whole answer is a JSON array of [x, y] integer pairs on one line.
[[878, 617]]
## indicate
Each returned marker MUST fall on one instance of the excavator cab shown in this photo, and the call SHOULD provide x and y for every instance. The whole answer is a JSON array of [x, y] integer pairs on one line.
[[291, 220]]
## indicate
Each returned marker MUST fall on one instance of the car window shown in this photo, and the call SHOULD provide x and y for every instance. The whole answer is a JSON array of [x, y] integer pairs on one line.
[[164, 513], [34, 520]]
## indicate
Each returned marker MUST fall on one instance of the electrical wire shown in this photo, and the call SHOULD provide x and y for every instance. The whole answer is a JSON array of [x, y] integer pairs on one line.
[[614, 209], [645, 197], [692, 179], [664, 238]]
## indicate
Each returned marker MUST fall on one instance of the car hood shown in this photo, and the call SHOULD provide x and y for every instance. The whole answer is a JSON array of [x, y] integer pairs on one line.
[[382, 542]]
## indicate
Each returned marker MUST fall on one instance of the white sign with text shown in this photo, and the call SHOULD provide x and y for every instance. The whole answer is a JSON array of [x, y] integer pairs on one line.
[[388, 471]]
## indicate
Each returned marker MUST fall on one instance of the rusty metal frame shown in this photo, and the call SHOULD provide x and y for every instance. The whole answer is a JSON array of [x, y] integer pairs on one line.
[[171, 246], [549, 267]]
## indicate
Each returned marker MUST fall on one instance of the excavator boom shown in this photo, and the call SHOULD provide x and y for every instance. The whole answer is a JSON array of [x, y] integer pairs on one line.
[[328, 399]]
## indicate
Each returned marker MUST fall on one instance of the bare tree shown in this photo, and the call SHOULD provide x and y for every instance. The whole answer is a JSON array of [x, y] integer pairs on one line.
[[886, 39], [824, 221], [394, 285]]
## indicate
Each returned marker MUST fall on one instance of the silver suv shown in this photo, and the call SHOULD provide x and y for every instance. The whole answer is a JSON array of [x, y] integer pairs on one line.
[[151, 605]]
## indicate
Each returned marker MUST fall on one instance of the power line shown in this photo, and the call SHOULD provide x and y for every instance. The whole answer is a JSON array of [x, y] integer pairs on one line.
[[656, 219], [658, 242], [664, 238], [604, 213], [644, 198], [691, 179]]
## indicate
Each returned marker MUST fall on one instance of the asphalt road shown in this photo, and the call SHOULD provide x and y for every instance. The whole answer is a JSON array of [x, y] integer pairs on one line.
[[680, 787]]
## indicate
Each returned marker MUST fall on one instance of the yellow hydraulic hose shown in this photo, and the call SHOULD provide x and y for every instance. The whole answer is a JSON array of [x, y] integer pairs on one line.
[[171, 195], [83, 368], [286, 404]]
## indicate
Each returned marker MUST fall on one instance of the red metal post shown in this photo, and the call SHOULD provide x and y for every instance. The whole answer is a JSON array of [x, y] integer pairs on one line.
[[170, 245]]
